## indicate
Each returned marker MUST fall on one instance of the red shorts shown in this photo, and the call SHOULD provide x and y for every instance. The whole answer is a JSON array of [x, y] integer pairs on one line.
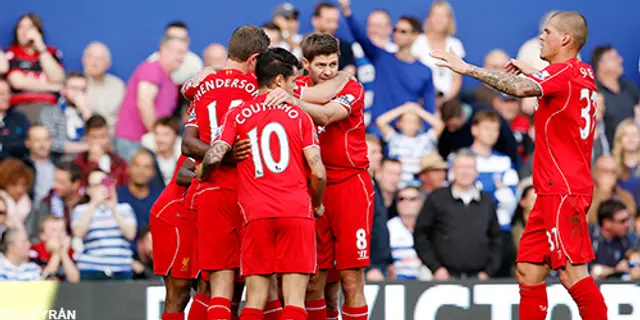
[[219, 238], [557, 231], [344, 231], [173, 249], [333, 276], [279, 245]]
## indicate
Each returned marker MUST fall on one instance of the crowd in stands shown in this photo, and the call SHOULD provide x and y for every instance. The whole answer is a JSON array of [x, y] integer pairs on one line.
[[84, 154]]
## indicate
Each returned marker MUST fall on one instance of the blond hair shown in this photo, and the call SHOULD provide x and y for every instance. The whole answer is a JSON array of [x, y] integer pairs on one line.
[[452, 28], [618, 153]]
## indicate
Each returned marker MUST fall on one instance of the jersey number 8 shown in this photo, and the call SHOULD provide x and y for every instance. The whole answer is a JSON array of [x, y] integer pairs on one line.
[[264, 148]]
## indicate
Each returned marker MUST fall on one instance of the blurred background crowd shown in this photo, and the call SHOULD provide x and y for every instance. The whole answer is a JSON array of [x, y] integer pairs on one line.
[[66, 134]]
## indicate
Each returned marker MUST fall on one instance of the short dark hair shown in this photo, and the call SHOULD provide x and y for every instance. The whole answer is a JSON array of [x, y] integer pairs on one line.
[[170, 122], [416, 26], [246, 41], [597, 54], [451, 109], [319, 44], [608, 209], [274, 62], [96, 121], [317, 11], [485, 115], [176, 24], [73, 169], [73, 74], [271, 26]]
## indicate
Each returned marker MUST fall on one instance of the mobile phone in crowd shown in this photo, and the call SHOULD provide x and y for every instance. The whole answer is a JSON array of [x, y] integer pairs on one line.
[[107, 183]]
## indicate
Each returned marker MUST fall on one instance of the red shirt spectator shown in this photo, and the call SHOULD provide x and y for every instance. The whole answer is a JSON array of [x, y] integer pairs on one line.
[[53, 253]]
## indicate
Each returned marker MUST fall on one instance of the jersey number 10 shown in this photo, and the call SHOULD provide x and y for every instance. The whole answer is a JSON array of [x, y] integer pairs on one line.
[[585, 112], [264, 146]]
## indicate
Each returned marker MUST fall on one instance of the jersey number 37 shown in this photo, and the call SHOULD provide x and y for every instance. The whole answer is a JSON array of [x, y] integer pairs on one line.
[[585, 113]]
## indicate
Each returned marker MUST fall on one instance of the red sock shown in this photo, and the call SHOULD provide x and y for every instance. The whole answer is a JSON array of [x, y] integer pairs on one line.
[[360, 313], [293, 313], [219, 308], [317, 309], [533, 302], [589, 299], [251, 314], [273, 310], [332, 314], [173, 316], [199, 307]]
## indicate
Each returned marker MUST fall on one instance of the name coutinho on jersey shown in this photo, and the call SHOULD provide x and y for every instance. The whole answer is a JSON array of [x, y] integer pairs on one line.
[[253, 109], [211, 84]]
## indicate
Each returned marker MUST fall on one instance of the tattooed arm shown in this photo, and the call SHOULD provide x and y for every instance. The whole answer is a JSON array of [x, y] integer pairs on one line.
[[212, 158], [508, 83], [318, 178]]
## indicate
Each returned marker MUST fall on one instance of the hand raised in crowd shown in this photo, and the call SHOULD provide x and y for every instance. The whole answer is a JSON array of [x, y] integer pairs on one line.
[[35, 37], [345, 5]]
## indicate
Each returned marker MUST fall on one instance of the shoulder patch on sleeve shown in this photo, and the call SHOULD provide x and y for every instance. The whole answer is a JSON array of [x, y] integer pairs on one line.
[[541, 75]]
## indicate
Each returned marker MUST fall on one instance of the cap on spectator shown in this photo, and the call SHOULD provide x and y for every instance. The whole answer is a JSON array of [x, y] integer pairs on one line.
[[286, 10], [432, 161]]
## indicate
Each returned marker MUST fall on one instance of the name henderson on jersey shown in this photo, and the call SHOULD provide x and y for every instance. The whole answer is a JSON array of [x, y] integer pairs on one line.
[[254, 108], [211, 84]]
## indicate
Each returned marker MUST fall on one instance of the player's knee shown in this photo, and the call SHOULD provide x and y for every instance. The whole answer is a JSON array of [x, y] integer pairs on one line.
[[528, 274], [570, 275], [352, 285], [315, 289]]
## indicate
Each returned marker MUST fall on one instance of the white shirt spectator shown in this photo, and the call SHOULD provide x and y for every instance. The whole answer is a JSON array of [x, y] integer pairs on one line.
[[406, 263], [27, 271], [409, 150], [191, 65], [106, 97], [442, 77]]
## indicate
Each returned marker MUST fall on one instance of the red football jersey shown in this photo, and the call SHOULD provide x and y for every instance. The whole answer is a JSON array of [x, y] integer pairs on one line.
[[344, 150], [273, 182], [216, 94], [170, 204], [564, 129]]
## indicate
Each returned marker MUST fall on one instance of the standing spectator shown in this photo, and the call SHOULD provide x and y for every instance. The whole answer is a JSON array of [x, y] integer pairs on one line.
[[4, 63], [53, 253], [105, 91], [151, 94], [66, 121], [215, 56], [457, 234], [14, 260], [60, 202], [406, 263], [521, 216], [285, 16], [106, 228], [13, 126], [274, 34], [433, 172], [35, 69], [439, 31], [39, 145], [409, 145], [605, 174], [601, 142], [143, 256], [611, 240], [325, 20], [140, 193], [388, 179], [191, 64], [16, 178], [626, 152], [621, 94], [374, 153], [100, 154], [165, 143]]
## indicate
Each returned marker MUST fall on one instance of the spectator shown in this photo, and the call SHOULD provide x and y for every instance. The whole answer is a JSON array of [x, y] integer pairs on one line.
[[611, 240], [620, 93], [66, 122], [457, 234], [4, 63], [285, 16], [433, 172], [605, 175], [439, 31], [53, 253], [495, 60], [142, 257], [215, 56], [274, 34], [626, 152], [106, 227], [400, 78], [409, 145], [165, 143], [13, 126], [521, 216], [39, 145], [374, 153], [191, 63], [406, 263], [388, 179], [150, 95], [140, 193], [4, 220], [380, 29], [601, 142], [14, 260], [60, 202], [100, 154], [633, 257], [35, 69], [105, 91], [15, 179], [325, 20]]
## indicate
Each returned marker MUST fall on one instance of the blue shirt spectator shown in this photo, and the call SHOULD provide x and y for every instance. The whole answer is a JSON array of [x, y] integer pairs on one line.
[[141, 206], [140, 193], [13, 126]]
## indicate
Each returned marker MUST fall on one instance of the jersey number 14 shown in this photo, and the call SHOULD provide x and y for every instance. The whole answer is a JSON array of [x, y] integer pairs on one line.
[[585, 112]]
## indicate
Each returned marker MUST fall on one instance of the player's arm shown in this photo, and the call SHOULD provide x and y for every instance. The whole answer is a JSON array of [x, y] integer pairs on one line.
[[318, 177], [212, 158], [186, 173], [147, 92], [192, 146], [323, 115], [324, 92]]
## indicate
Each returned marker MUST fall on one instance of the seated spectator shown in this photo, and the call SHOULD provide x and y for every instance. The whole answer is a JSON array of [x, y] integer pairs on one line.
[[142, 257], [447, 236], [4, 63], [191, 64], [140, 192], [406, 264], [35, 69], [13, 126], [100, 153], [433, 172], [15, 180], [388, 179], [14, 260], [165, 143], [274, 34], [633, 258], [521, 216], [409, 145], [105, 91], [611, 241], [215, 56], [374, 154], [626, 152], [106, 227], [381, 258], [150, 95], [601, 142], [39, 145], [439, 31], [60, 201], [605, 173], [53, 253], [66, 122]]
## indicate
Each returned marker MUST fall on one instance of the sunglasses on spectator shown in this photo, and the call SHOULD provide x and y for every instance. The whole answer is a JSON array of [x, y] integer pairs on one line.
[[403, 31], [409, 198], [634, 263], [3, 212], [625, 220]]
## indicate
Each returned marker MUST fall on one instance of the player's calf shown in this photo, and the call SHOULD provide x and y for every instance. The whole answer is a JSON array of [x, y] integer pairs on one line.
[[178, 293], [332, 298], [221, 286], [315, 300], [584, 291], [355, 304], [533, 290], [200, 302], [294, 288], [257, 295], [273, 308]]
